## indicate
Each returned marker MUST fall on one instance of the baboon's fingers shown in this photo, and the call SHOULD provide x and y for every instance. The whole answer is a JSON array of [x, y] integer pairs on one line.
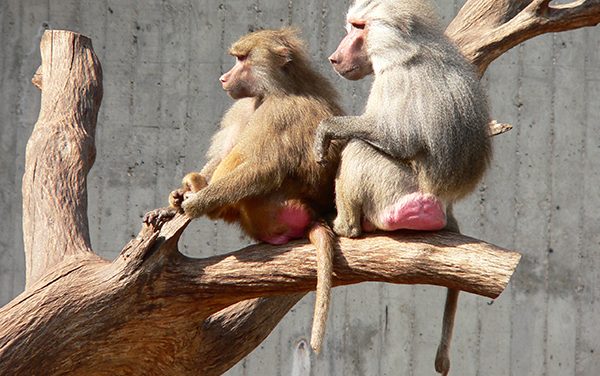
[[176, 198], [158, 217]]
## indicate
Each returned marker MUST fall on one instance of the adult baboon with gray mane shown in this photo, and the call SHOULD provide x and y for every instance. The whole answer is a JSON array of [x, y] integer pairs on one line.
[[422, 142]]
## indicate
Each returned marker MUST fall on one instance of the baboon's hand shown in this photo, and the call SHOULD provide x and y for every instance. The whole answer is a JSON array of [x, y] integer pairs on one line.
[[176, 198], [195, 204], [192, 182], [322, 142], [158, 217]]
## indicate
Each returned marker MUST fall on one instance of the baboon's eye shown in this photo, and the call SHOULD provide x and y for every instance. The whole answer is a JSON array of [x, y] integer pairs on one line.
[[358, 24]]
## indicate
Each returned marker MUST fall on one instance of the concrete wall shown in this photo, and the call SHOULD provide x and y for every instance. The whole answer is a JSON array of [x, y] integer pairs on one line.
[[162, 102]]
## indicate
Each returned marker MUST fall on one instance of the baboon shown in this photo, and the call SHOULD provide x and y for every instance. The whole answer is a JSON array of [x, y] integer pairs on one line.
[[422, 142], [269, 181]]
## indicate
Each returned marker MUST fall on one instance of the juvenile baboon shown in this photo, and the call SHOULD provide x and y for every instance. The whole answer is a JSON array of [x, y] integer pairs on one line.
[[422, 142], [269, 181]]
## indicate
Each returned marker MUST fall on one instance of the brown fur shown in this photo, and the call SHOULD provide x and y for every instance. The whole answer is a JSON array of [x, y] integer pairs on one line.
[[232, 124], [270, 164]]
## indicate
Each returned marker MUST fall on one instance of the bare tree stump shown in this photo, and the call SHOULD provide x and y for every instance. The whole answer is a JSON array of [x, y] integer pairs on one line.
[[154, 311], [60, 153]]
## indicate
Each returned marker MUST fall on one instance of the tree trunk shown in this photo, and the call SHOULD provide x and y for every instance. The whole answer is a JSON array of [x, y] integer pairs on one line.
[[60, 153]]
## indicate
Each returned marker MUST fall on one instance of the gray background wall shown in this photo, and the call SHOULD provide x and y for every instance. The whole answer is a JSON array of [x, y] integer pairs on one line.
[[162, 101]]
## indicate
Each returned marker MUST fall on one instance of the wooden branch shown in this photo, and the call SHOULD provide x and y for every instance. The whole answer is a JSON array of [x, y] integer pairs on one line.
[[485, 29], [55, 223], [245, 324], [439, 258], [153, 300], [497, 128]]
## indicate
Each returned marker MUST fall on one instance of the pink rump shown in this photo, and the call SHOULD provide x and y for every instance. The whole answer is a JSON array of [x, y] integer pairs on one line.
[[417, 211], [296, 220]]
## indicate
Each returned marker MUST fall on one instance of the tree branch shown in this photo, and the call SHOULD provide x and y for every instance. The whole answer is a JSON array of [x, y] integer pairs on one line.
[[245, 324], [440, 258], [153, 300], [485, 29], [55, 223], [498, 128]]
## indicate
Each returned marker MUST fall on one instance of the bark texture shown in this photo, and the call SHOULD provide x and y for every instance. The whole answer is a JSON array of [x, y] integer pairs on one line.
[[60, 153], [485, 29], [154, 311]]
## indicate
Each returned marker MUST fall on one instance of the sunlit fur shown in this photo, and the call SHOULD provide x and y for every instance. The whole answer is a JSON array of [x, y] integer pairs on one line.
[[280, 64], [232, 127], [277, 128], [424, 129], [266, 172], [431, 95]]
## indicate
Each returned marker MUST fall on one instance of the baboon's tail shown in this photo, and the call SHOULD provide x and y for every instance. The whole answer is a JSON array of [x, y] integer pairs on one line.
[[323, 238]]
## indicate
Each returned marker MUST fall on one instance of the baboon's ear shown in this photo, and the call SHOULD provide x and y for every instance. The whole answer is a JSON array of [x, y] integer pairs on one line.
[[285, 53]]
